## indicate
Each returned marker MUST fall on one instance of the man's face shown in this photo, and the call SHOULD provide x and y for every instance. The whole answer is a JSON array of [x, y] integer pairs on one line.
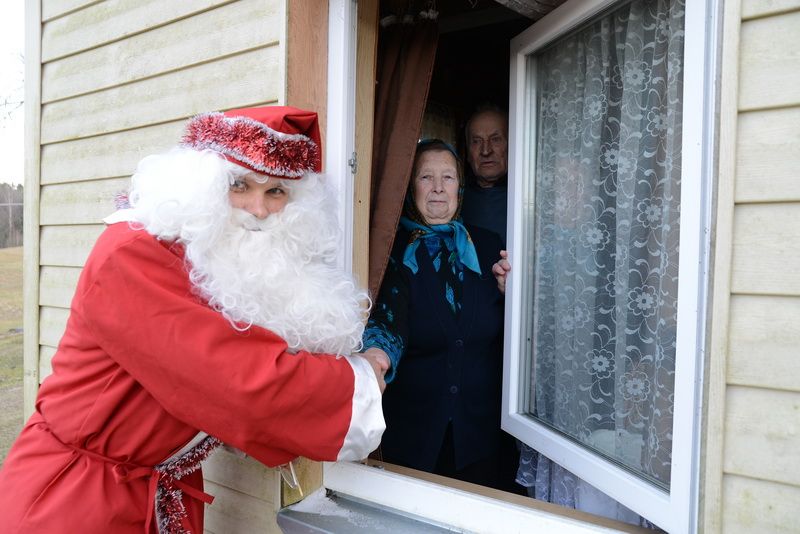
[[487, 145], [258, 194]]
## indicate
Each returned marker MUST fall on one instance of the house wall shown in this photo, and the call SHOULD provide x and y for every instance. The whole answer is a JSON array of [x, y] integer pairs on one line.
[[118, 78], [755, 441], [116, 81]]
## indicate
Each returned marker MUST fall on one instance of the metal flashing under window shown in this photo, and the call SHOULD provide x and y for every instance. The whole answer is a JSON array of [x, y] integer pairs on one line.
[[325, 512]]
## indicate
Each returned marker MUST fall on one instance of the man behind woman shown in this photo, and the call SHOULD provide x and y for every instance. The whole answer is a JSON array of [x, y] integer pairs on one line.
[[438, 320]]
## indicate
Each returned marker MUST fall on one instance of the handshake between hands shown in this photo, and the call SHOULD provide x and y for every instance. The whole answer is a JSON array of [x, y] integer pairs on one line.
[[380, 364]]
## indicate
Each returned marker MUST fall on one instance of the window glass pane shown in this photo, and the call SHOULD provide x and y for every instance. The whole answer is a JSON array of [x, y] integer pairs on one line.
[[603, 286]]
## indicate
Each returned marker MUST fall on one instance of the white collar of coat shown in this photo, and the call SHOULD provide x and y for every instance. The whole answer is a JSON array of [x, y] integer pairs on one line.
[[123, 215]]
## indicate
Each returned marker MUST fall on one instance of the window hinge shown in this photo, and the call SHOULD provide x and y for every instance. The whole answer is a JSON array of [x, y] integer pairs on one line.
[[353, 162]]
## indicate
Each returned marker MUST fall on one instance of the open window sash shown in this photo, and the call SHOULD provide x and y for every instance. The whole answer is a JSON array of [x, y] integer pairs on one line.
[[673, 509]]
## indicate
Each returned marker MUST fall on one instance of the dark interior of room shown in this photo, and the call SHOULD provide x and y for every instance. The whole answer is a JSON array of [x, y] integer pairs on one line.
[[472, 60]]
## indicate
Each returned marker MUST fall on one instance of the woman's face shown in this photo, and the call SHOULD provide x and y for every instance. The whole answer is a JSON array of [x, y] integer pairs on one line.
[[436, 186]]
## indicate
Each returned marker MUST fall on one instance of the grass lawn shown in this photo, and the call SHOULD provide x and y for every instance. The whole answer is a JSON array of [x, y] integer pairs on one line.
[[10, 346]]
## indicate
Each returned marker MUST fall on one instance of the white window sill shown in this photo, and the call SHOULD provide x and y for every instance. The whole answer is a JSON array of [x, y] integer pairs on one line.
[[458, 505]]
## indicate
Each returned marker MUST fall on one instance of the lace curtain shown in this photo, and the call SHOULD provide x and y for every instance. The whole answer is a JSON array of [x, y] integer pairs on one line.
[[605, 232]]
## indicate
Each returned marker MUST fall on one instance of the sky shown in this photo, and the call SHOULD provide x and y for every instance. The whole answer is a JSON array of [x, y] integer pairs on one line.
[[12, 71]]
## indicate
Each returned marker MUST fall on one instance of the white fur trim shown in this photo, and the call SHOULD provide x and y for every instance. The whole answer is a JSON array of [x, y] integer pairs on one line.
[[366, 423], [123, 215], [200, 436]]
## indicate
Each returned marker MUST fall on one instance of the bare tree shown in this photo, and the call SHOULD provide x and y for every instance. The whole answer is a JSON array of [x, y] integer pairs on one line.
[[13, 91], [11, 101]]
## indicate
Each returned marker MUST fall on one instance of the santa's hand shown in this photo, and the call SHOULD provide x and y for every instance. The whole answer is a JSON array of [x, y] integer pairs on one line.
[[380, 364], [500, 271]]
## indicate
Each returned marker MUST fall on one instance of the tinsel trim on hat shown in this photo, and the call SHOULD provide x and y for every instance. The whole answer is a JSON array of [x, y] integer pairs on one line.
[[122, 201], [170, 510], [253, 144]]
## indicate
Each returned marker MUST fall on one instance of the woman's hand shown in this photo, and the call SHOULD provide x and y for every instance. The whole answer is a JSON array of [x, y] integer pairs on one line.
[[500, 271], [380, 364]]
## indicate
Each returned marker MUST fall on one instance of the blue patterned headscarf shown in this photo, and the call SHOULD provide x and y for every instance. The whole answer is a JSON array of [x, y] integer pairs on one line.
[[453, 235]]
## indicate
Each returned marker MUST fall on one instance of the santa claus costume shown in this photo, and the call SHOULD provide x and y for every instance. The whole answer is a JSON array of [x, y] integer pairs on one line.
[[194, 323]]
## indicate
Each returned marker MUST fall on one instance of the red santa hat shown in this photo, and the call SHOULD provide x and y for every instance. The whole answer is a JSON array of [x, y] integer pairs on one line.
[[275, 140]]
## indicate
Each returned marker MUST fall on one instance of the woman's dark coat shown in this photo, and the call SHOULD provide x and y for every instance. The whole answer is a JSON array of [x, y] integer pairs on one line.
[[451, 370]]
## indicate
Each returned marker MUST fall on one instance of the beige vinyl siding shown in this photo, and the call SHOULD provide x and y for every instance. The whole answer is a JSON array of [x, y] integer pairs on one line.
[[52, 321], [98, 119], [768, 62], [79, 202], [118, 79], [99, 23], [108, 155], [68, 245], [760, 460], [205, 35], [58, 8], [760, 506], [763, 8], [244, 494], [57, 286], [766, 247], [764, 329], [762, 420], [762, 133], [45, 357], [248, 79]]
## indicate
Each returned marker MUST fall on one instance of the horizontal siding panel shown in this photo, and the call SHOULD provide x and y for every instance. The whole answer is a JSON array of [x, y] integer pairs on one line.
[[45, 362], [57, 285], [762, 434], [57, 8], [220, 32], [249, 78], [245, 474], [769, 60], [764, 342], [235, 512], [110, 21], [67, 246], [759, 177], [766, 249], [761, 8], [80, 202], [106, 156], [52, 323], [758, 507]]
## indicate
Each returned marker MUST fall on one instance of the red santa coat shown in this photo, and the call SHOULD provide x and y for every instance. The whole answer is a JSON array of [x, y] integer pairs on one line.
[[143, 366]]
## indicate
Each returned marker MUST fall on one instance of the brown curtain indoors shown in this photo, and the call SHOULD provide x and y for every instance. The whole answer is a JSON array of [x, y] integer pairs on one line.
[[406, 53]]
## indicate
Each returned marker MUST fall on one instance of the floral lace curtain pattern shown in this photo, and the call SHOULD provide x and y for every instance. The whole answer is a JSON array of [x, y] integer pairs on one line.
[[605, 232]]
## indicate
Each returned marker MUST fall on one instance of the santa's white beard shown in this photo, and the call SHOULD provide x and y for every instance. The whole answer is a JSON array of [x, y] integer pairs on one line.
[[276, 278], [279, 273]]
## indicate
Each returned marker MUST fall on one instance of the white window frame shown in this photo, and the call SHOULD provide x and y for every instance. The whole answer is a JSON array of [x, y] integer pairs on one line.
[[341, 105], [674, 511]]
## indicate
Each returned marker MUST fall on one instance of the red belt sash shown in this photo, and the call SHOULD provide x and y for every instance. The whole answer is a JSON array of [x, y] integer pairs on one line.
[[124, 472]]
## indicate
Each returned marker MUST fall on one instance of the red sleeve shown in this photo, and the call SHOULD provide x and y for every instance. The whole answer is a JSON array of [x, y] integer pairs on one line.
[[243, 388]]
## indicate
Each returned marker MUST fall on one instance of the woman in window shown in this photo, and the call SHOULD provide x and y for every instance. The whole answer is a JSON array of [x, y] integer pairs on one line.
[[439, 321]]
